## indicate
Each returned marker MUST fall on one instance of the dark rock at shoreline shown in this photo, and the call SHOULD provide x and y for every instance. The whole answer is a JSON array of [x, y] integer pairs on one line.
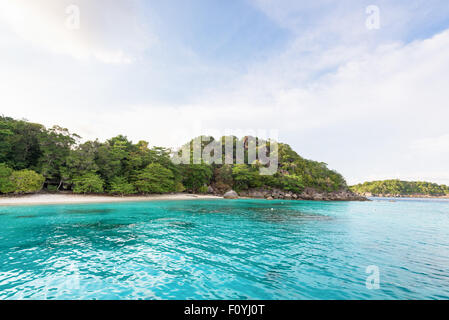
[[256, 194], [389, 195], [231, 195], [307, 194]]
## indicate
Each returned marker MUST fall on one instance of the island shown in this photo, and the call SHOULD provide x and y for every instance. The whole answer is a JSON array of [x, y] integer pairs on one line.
[[35, 159], [397, 188]]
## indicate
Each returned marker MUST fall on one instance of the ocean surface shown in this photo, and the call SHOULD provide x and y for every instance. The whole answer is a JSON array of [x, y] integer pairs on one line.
[[226, 249]]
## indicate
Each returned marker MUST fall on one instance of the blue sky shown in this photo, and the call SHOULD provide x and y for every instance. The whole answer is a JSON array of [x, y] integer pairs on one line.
[[370, 103]]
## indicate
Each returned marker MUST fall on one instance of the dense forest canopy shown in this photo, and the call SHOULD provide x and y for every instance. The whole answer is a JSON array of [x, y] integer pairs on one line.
[[33, 157], [398, 187]]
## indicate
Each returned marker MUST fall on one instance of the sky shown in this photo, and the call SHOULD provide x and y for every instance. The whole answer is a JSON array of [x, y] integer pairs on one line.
[[370, 100]]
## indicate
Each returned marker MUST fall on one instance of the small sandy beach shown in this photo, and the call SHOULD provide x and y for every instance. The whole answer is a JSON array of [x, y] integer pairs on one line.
[[36, 199]]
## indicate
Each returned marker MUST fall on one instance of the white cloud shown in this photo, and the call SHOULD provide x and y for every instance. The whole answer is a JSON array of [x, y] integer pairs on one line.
[[380, 97], [43, 24], [362, 105], [434, 145], [393, 81], [389, 96]]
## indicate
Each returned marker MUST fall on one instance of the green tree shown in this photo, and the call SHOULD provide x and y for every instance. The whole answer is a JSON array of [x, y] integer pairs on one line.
[[88, 183], [292, 183], [179, 187], [245, 177], [398, 187], [19, 143], [113, 158], [119, 164], [121, 186], [55, 145], [195, 176], [223, 180], [80, 161], [155, 179], [224, 174], [26, 181], [6, 132], [6, 185]]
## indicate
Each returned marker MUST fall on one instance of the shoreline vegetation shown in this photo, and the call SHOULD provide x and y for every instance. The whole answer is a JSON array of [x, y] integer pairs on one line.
[[36, 159], [401, 189], [67, 197], [64, 197]]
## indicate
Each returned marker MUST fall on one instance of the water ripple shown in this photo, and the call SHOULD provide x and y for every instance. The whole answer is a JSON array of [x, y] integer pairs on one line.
[[245, 249]]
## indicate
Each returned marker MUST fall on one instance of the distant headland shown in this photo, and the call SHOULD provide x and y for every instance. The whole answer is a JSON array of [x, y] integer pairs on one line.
[[399, 188]]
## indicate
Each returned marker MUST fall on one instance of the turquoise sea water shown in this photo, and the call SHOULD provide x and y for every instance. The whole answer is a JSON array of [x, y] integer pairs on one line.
[[225, 249]]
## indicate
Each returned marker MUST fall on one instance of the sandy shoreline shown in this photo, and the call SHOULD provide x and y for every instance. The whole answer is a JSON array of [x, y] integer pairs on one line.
[[36, 199]]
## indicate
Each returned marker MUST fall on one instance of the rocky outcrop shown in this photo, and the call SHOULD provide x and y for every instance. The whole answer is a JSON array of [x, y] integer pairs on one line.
[[307, 194], [256, 194], [231, 194]]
